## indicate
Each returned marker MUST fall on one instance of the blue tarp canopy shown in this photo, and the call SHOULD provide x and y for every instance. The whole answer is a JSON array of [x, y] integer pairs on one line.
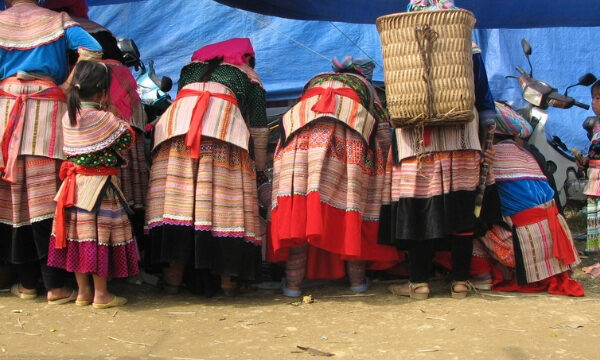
[[490, 14], [289, 52]]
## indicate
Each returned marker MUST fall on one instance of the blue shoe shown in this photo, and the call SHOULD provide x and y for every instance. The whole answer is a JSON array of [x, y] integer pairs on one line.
[[289, 292], [361, 288]]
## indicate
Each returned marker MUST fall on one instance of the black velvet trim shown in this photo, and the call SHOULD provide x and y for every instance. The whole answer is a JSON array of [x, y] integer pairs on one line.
[[226, 256], [430, 218]]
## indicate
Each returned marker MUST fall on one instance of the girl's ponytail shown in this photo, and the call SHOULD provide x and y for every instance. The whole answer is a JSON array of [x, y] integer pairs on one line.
[[89, 78], [74, 103]]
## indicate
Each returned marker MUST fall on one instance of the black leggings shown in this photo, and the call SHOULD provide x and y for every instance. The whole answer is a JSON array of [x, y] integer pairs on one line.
[[420, 256], [28, 275]]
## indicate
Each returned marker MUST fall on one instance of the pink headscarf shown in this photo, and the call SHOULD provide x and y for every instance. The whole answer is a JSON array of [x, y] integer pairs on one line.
[[232, 51], [76, 8]]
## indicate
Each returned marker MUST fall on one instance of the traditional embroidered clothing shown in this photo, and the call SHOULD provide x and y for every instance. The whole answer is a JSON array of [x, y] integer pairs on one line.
[[430, 186], [32, 40], [91, 232], [36, 40], [592, 190], [540, 242], [202, 205], [328, 173], [431, 178]]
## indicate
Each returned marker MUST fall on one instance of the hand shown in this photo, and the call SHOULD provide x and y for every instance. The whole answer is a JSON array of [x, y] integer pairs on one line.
[[583, 164]]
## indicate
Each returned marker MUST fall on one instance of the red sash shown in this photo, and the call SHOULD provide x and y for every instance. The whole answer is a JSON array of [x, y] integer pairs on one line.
[[562, 248], [10, 143], [326, 104], [68, 172], [194, 135]]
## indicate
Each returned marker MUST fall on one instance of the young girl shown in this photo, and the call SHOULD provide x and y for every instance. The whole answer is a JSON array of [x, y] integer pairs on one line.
[[91, 231]]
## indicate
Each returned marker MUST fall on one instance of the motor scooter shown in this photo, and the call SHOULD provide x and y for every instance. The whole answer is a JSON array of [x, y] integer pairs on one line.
[[560, 162], [152, 90]]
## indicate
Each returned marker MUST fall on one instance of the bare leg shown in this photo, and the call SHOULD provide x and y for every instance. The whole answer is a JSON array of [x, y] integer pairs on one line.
[[173, 274], [226, 283], [101, 294], [84, 292]]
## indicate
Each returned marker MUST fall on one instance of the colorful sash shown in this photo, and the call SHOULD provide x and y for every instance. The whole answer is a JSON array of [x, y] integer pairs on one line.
[[203, 109], [10, 144], [562, 247], [66, 197], [341, 103]]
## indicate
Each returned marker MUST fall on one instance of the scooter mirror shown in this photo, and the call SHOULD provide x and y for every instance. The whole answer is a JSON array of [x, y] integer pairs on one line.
[[587, 79], [526, 47], [166, 83]]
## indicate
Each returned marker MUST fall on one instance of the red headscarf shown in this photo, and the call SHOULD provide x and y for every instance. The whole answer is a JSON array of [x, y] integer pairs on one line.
[[232, 51], [76, 8]]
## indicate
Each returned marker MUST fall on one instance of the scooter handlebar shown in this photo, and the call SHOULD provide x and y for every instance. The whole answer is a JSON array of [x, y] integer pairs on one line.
[[581, 105]]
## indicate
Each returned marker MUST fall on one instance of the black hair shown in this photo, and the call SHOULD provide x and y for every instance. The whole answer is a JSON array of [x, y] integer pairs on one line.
[[89, 78], [595, 86], [212, 66], [251, 60]]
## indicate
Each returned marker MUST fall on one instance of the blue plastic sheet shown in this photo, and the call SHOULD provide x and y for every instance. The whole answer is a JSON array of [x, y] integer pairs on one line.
[[289, 52]]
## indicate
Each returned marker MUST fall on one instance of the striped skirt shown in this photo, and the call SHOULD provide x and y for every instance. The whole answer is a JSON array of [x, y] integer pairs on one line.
[[431, 197], [134, 176], [27, 208], [205, 210], [592, 190], [327, 185], [533, 250], [99, 242]]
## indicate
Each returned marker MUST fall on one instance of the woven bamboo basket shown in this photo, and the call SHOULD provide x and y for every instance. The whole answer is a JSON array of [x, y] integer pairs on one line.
[[428, 67]]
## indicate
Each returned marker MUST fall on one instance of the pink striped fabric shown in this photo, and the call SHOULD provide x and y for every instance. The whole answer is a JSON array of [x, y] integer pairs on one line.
[[348, 111], [230, 128]]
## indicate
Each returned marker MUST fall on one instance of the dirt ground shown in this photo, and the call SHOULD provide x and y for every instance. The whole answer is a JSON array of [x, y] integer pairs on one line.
[[265, 325]]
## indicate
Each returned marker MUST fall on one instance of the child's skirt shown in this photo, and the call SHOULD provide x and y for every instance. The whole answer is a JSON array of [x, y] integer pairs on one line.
[[98, 242]]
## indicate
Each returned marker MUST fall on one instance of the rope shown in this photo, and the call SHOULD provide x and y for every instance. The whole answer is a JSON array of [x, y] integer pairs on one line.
[[354, 43], [426, 36], [284, 35]]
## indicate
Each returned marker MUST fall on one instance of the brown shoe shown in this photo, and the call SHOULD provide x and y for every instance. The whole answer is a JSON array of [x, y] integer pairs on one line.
[[409, 289]]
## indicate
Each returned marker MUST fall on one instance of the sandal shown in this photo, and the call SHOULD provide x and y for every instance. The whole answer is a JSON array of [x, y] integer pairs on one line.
[[410, 290], [593, 271], [461, 294], [21, 295], [482, 282]]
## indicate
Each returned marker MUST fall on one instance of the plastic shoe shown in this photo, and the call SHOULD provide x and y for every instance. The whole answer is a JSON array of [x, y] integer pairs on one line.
[[116, 301], [64, 300], [289, 292], [361, 288], [21, 295], [83, 302]]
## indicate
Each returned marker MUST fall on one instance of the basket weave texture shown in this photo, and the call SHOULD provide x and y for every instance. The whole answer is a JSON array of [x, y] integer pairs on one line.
[[433, 84]]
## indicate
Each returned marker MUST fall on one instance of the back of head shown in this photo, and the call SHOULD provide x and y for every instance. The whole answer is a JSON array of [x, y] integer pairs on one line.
[[354, 65], [90, 78], [419, 5], [76, 8]]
